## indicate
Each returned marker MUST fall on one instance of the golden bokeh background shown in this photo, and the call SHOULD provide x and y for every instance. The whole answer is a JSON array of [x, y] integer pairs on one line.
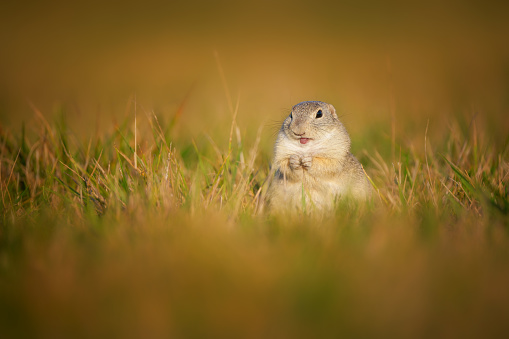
[[418, 61]]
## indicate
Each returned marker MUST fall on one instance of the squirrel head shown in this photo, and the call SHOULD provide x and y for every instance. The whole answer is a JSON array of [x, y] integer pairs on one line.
[[314, 122]]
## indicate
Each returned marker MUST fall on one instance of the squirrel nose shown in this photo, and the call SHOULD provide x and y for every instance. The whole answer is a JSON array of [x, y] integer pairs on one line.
[[299, 134]]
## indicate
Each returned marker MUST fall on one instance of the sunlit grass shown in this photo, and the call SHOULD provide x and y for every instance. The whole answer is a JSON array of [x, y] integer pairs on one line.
[[127, 234]]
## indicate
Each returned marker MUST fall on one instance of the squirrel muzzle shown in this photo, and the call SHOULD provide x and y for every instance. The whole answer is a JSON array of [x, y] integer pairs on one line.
[[298, 128]]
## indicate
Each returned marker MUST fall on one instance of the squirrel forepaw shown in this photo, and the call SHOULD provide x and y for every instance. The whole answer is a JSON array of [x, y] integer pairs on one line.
[[294, 162], [306, 162]]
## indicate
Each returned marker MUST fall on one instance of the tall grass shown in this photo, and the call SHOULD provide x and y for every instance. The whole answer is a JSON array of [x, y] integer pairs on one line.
[[134, 233], [49, 167]]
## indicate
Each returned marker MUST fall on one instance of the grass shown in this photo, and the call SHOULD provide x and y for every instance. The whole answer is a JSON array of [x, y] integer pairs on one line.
[[134, 234]]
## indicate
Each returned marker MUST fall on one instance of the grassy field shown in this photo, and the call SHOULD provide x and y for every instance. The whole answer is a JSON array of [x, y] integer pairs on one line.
[[133, 174]]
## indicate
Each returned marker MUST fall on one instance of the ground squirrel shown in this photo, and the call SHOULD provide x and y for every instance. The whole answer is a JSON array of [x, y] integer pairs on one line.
[[312, 161]]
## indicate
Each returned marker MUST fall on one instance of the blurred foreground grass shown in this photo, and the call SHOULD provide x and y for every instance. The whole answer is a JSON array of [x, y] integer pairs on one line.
[[168, 238]]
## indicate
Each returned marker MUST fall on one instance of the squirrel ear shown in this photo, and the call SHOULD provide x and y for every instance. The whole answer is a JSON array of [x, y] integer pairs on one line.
[[333, 111]]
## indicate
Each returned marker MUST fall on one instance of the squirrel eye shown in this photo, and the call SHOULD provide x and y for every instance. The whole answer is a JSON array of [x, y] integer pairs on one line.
[[319, 114], [291, 116]]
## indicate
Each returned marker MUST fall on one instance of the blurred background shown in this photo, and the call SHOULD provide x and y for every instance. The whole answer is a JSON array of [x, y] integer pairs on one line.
[[371, 59]]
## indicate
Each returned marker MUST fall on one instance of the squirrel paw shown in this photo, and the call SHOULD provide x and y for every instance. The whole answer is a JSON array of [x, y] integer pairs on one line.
[[294, 162], [306, 162]]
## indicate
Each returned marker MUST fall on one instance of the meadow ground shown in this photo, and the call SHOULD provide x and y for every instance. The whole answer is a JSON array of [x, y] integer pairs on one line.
[[133, 176]]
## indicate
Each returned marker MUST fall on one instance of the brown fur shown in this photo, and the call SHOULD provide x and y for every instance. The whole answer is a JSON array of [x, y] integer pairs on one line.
[[322, 169]]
